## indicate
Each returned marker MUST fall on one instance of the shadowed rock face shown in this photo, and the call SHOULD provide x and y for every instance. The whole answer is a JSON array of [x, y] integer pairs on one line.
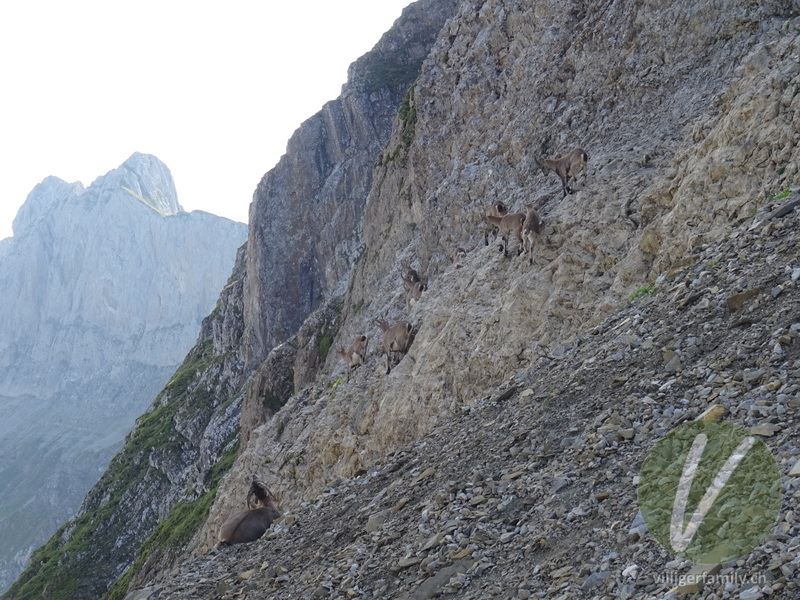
[[306, 212], [102, 292]]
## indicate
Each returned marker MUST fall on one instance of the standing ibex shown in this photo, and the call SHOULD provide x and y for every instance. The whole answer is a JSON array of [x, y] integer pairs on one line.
[[499, 210], [567, 167], [531, 229], [413, 284], [249, 525], [414, 294], [355, 354], [508, 224], [397, 338], [409, 276]]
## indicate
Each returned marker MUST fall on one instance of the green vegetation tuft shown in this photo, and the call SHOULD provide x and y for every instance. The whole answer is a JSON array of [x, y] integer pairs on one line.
[[408, 115], [272, 401], [325, 342], [408, 118], [385, 72], [327, 333], [642, 291], [786, 191]]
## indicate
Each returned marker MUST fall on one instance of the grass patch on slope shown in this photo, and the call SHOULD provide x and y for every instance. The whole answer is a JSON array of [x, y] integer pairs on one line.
[[172, 534]]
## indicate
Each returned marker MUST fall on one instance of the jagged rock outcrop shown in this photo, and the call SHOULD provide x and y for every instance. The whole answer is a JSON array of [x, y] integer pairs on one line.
[[102, 291], [305, 219], [503, 87]]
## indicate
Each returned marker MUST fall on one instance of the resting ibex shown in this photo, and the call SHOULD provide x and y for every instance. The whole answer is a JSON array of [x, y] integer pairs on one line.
[[508, 224], [531, 229], [259, 491], [499, 210], [397, 338], [355, 354], [567, 167], [249, 525]]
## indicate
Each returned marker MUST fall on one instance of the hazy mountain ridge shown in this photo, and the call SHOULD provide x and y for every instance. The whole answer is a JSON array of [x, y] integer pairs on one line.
[[101, 295]]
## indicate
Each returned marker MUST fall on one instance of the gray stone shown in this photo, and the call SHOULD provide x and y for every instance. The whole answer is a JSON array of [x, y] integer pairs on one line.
[[594, 579], [753, 593], [376, 520]]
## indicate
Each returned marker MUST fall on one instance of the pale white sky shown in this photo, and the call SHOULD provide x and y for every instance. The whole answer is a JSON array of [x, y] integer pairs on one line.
[[213, 89]]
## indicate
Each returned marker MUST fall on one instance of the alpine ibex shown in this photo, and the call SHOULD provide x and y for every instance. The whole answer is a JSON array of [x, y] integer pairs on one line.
[[499, 210], [397, 339], [355, 354], [414, 294], [459, 256], [530, 230], [249, 525], [509, 224], [567, 167], [409, 276], [259, 491]]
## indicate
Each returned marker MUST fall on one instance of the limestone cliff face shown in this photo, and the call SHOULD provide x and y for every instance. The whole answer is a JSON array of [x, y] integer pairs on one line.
[[306, 214], [688, 115], [102, 292]]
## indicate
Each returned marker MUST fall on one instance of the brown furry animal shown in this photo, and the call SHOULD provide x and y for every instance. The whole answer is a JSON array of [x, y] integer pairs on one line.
[[397, 339], [247, 525], [260, 491], [499, 210], [414, 294], [509, 224], [409, 276], [355, 354], [530, 231], [567, 167]]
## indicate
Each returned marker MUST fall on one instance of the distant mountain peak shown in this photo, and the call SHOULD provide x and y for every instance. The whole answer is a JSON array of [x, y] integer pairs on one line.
[[43, 198], [142, 176], [147, 179], [101, 297]]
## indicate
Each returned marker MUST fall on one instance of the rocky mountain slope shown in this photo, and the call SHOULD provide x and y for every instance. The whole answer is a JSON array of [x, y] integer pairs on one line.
[[529, 491], [688, 113], [313, 200], [102, 291], [488, 104]]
